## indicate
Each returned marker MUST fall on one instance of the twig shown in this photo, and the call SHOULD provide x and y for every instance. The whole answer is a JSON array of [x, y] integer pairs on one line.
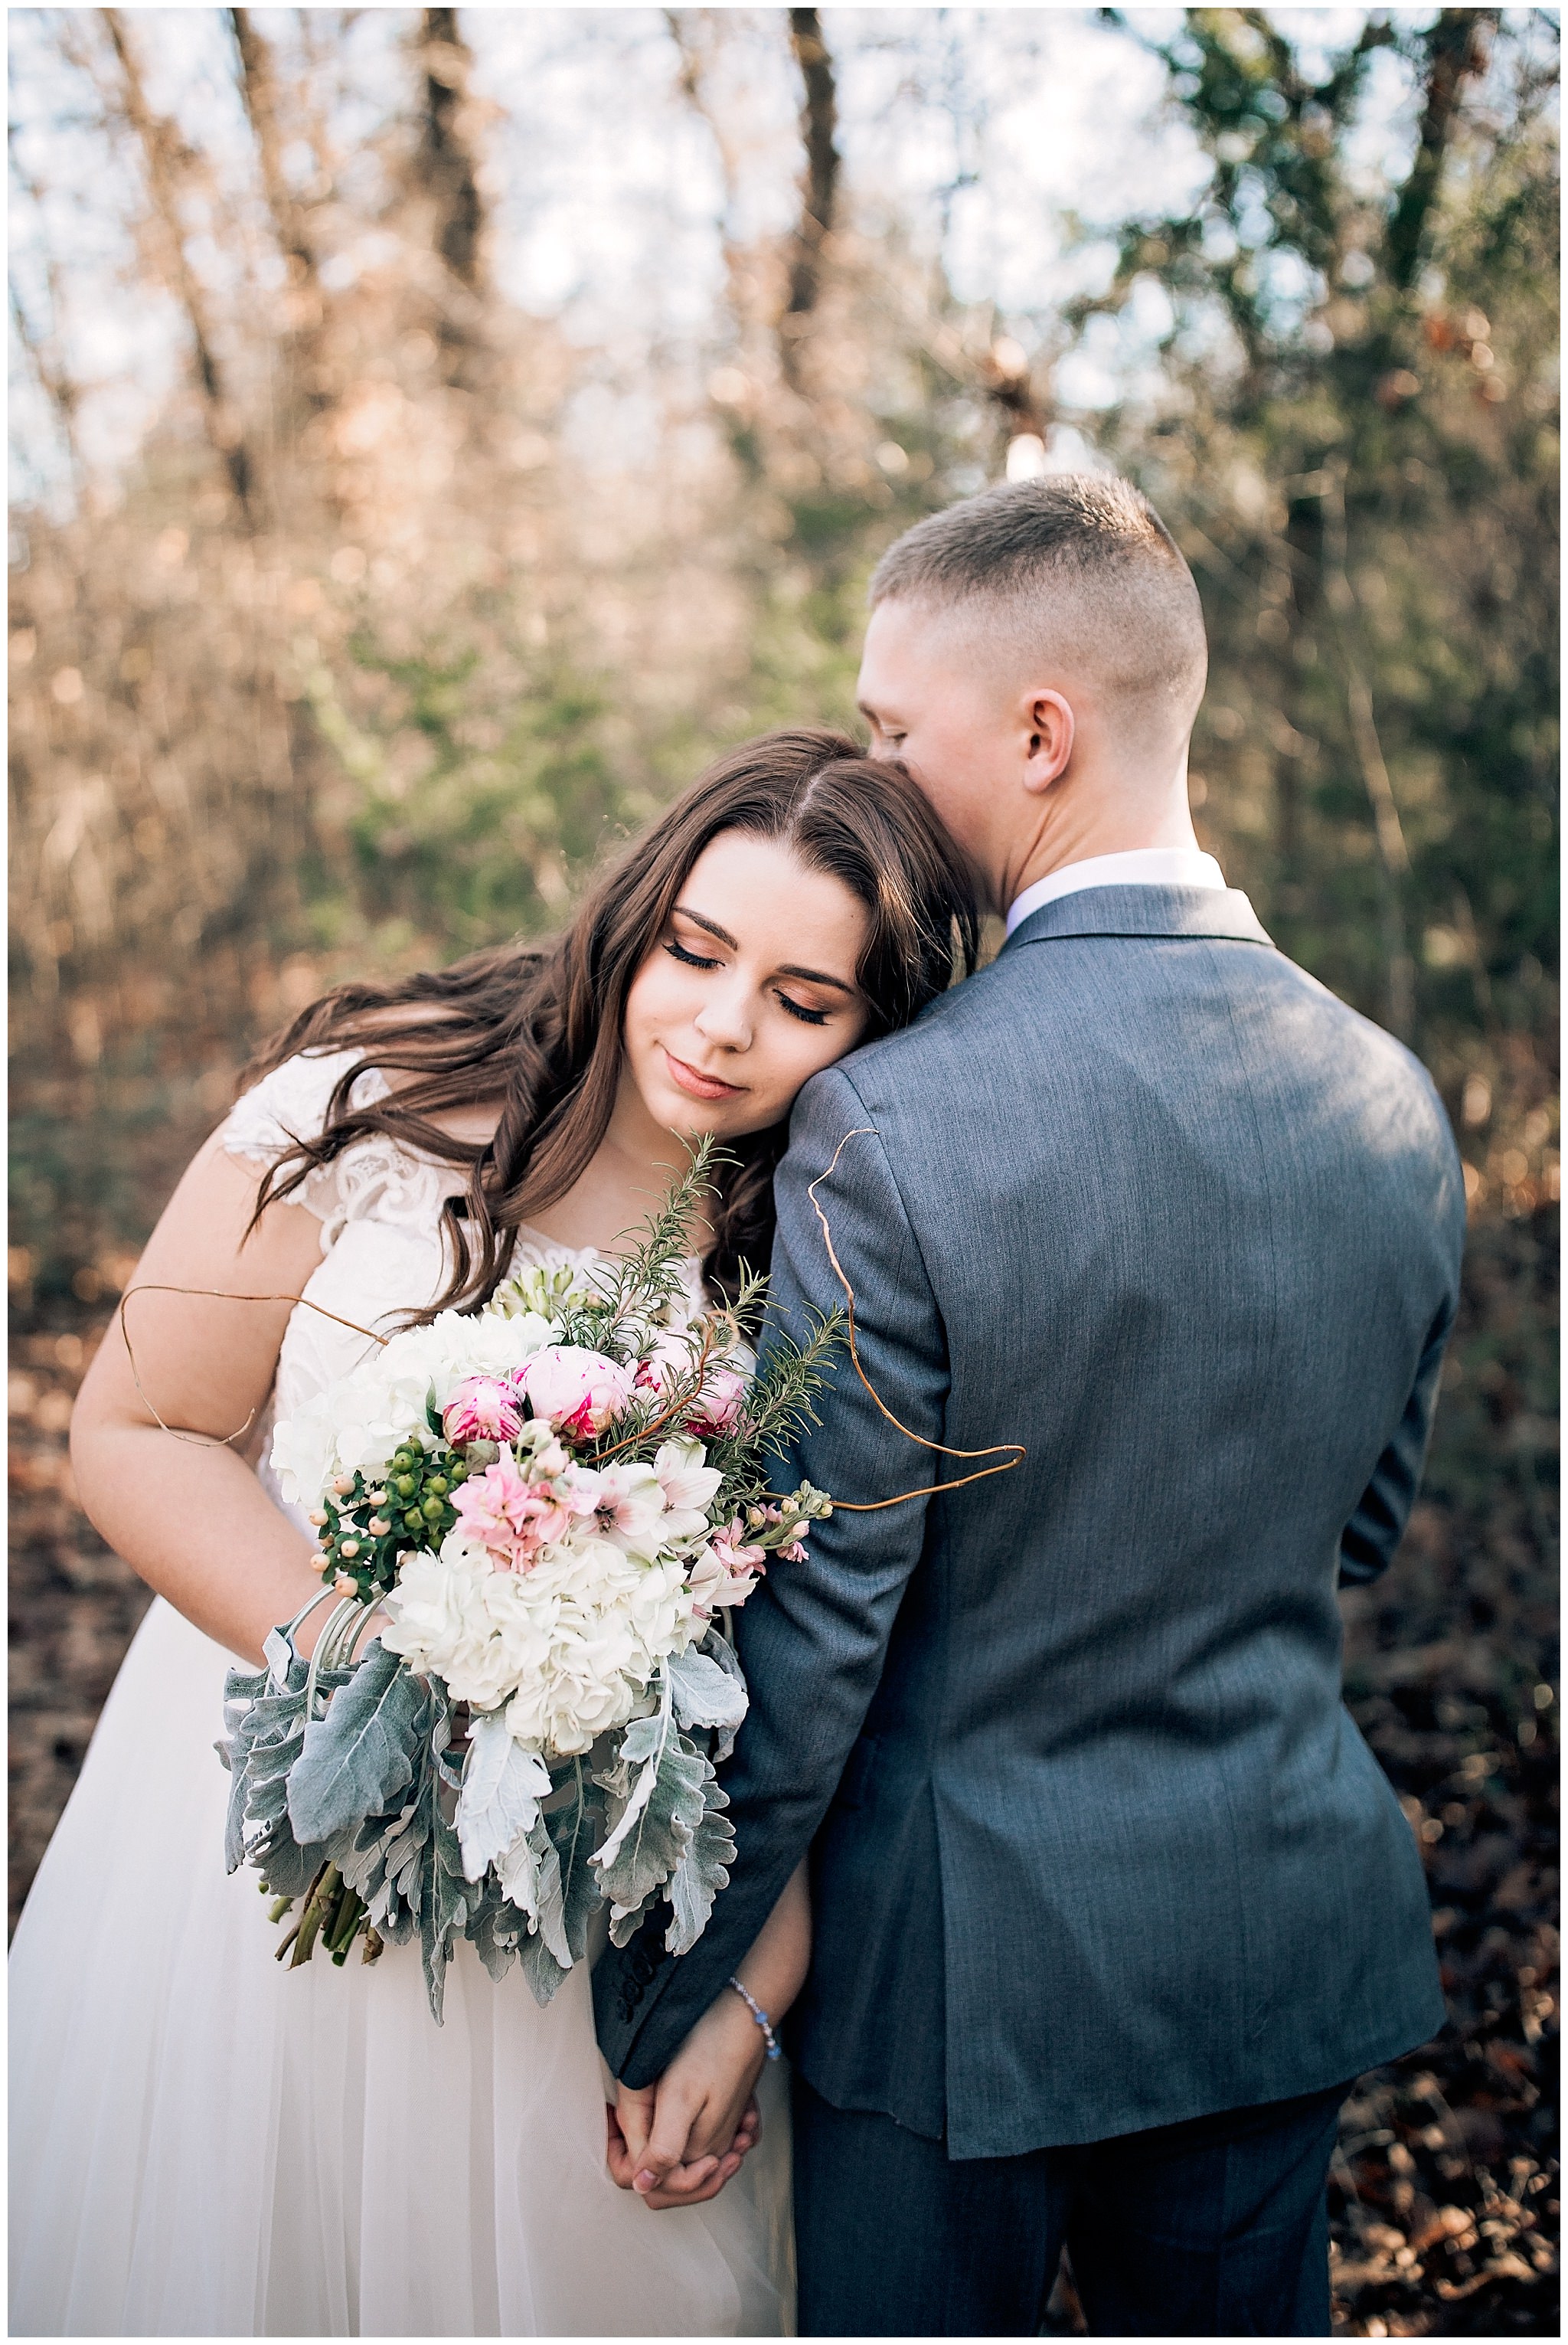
[[219, 1294], [942, 1448]]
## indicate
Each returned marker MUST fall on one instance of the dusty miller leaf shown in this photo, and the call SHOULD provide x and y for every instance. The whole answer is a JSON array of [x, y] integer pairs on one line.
[[444, 1893], [502, 1785], [363, 1752], [702, 1871], [641, 1746], [572, 1827], [723, 1653], [704, 1692], [665, 1822]]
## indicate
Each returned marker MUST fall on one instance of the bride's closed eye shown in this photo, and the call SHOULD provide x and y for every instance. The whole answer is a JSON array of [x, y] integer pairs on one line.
[[678, 951]]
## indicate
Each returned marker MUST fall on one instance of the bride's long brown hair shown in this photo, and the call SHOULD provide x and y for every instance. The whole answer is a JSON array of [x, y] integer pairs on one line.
[[536, 1029]]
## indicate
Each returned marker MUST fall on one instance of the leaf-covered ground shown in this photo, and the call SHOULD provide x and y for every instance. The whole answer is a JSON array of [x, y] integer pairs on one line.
[[1444, 2194]]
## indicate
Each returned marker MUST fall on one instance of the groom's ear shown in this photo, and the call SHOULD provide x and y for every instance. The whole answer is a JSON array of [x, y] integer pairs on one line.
[[1049, 745]]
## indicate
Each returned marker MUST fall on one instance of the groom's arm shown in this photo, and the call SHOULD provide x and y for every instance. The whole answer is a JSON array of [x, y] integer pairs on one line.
[[1371, 1537], [814, 1637]]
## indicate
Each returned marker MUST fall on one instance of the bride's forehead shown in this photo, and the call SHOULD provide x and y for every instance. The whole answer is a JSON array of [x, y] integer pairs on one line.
[[742, 876]]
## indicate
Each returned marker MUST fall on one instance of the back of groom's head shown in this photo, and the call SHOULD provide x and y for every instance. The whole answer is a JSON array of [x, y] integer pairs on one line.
[[1075, 570]]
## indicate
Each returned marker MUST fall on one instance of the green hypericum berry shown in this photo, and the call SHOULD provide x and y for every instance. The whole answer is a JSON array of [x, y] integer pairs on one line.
[[432, 1509], [414, 1520], [439, 1484], [405, 1486]]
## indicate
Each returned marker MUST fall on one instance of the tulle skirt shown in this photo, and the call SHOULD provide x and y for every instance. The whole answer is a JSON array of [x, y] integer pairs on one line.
[[204, 2142]]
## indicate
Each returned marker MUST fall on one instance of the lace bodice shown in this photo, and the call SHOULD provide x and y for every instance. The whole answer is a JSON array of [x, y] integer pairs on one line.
[[380, 1207], [374, 1181]]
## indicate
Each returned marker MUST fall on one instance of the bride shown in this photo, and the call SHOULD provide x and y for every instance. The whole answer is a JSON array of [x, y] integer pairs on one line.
[[203, 2142]]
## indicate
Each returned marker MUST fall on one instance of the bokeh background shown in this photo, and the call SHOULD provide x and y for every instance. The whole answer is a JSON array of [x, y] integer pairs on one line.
[[435, 433]]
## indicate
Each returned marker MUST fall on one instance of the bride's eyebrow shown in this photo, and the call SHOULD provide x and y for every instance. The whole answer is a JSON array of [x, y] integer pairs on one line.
[[712, 926], [816, 977]]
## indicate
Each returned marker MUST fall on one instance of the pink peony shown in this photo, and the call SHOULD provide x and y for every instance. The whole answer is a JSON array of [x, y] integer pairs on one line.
[[513, 1517], [667, 1359], [580, 1392], [717, 1410], [483, 1408]]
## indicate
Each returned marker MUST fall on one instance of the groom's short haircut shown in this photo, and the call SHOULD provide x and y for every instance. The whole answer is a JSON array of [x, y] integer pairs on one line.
[[1074, 566]]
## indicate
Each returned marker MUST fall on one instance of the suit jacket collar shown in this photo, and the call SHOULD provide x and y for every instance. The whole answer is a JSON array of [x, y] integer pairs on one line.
[[1142, 911]]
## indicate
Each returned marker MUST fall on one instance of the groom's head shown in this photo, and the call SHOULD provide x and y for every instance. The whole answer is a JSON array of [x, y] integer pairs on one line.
[[1035, 656]]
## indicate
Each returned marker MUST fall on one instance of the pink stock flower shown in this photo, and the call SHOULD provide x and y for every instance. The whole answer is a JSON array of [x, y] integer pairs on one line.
[[727, 1570], [734, 1550], [578, 1391], [717, 1410], [483, 1408], [513, 1517]]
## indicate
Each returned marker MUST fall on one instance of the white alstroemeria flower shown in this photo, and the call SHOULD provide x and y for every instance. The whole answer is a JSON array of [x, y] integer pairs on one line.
[[629, 1508], [690, 1486]]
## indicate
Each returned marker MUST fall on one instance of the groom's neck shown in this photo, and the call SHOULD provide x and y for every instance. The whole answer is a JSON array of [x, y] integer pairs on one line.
[[1088, 814]]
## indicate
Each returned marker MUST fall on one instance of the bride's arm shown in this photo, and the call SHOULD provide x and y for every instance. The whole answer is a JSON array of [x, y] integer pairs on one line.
[[192, 1519], [682, 2139]]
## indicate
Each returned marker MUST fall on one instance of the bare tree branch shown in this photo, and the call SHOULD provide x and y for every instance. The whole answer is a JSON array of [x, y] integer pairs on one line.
[[46, 350], [446, 165], [259, 85], [161, 155], [305, 305]]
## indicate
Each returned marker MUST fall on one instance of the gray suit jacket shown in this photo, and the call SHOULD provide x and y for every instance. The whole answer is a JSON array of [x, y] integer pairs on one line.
[[1095, 1844]]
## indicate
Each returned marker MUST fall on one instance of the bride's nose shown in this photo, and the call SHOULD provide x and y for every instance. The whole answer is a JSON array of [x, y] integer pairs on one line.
[[724, 1019]]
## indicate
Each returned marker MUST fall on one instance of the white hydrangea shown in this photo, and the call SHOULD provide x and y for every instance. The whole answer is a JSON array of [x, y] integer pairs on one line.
[[355, 1424], [569, 1645]]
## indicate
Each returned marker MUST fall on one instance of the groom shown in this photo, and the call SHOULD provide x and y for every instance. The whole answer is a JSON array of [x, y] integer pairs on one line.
[[1111, 1900]]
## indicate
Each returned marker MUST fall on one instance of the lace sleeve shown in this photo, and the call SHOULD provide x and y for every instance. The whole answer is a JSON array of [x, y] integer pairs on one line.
[[291, 1104]]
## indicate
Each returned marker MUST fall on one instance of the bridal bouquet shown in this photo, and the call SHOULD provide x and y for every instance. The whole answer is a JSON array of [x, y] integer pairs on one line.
[[548, 1503]]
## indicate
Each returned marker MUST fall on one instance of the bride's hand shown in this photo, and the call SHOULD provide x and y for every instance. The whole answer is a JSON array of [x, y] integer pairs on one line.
[[689, 2184], [685, 2137]]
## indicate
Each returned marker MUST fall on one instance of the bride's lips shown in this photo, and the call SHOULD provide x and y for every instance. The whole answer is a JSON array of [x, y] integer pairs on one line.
[[697, 1085]]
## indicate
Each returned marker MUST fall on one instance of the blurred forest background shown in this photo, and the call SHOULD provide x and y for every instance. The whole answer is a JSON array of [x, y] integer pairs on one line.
[[435, 433]]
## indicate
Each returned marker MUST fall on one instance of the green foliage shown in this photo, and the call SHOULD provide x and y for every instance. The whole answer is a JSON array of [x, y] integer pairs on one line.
[[485, 786], [1356, 442]]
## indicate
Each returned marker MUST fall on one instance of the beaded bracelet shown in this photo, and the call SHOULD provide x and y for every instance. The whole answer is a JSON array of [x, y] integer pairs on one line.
[[760, 2016]]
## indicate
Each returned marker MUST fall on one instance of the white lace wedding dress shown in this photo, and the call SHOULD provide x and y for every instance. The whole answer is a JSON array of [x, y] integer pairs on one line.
[[204, 2143]]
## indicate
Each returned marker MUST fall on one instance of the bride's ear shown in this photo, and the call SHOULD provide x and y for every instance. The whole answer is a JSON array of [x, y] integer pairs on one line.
[[1049, 745]]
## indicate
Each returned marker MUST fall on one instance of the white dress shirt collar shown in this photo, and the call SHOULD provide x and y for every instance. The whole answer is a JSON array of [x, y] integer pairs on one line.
[[1141, 867]]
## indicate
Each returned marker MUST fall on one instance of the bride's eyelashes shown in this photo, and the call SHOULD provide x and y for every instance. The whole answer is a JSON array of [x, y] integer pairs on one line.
[[678, 951], [798, 1009]]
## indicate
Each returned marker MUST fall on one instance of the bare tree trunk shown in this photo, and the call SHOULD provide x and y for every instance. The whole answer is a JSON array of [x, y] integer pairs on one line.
[[819, 191], [160, 149], [447, 174], [1393, 855], [1458, 46]]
